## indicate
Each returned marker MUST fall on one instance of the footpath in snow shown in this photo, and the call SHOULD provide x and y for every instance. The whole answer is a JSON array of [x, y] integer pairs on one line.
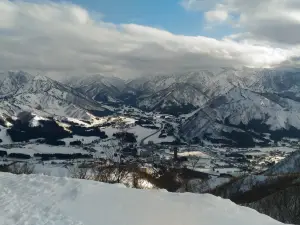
[[40, 200]]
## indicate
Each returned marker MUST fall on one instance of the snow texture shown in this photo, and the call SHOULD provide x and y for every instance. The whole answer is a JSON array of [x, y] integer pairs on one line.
[[38, 200]]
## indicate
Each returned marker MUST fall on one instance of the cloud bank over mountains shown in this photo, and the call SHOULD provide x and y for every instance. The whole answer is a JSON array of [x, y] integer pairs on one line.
[[62, 39]]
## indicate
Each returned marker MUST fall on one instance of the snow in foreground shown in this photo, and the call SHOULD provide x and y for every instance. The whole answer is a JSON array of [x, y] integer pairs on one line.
[[38, 199]]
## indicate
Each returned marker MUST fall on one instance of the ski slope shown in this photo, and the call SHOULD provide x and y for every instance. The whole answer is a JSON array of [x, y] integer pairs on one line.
[[39, 200]]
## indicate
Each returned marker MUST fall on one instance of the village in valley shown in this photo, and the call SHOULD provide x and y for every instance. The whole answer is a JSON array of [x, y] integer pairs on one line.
[[145, 139]]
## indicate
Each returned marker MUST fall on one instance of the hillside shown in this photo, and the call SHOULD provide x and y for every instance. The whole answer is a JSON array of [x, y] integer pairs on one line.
[[20, 91], [242, 117], [274, 193], [224, 106], [98, 87], [289, 165], [37, 200]]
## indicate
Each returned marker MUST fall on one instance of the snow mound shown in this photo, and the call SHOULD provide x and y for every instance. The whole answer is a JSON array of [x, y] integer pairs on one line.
[[38, 199]]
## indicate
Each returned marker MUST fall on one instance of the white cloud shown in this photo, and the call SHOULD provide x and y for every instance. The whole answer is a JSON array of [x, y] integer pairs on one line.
[[276, 21], [201, 5], [216, 16], [64, 39]]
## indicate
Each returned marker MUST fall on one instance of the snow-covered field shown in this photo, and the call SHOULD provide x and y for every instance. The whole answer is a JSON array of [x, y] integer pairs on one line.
[[31, 149], [194, 153], [98, 121], [270, 149], [230, 170], [4, 137], [37, 200], [156, 139], [84, 140]]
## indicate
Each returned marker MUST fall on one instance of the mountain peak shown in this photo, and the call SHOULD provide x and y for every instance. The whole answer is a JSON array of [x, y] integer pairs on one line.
[[41, 78]]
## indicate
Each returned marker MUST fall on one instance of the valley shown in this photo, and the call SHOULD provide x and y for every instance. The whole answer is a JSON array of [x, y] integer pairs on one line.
[[234, 121], [231, 133], [155, 138]]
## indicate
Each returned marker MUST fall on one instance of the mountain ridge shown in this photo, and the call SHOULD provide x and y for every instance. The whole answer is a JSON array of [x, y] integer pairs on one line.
[[23, 92], [232, 105]]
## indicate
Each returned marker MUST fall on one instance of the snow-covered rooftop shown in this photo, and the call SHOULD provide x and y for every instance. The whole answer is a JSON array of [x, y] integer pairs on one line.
[[37, 199]]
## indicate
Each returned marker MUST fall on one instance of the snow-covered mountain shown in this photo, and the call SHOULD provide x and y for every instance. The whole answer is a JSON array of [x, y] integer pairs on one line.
[[242, 107], [242, 115], [192, 89], [20, 91], [37, 199], [209, 84], [98, 87], [177, 93], [182, 93], [179, 98]]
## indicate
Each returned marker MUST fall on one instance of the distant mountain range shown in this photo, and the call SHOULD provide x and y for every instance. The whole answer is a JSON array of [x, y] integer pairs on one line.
[[242, 107]]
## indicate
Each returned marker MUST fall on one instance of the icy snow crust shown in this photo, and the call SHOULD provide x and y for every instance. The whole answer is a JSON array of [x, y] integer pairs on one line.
[[39, 200]]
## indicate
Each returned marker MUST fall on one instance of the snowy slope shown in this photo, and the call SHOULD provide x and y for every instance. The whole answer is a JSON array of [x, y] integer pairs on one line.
[[21, 91], [31, 149], [242, 110], [202, 78], [289, 165], [198, 87], [98, 86], [177, 95], [278, 81], [37, 200], [190, 88]]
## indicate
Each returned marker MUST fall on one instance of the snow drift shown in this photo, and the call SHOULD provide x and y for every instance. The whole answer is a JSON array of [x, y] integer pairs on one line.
[[37, 199]]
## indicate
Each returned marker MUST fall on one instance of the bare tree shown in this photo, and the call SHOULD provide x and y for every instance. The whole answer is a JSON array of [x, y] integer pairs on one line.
[[283, 205], [24, 116], [80, 172], [21, 168], [194, 161], [111, 168]]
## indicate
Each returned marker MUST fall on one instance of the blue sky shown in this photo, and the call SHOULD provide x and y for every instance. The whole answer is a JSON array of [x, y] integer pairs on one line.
[[163, 14]]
